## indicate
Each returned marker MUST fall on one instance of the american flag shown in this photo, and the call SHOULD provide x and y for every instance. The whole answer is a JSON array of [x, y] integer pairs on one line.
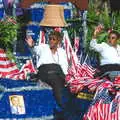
[[76, 43], [9, 69], [42, 37], [71, 55], [105, 108], [101, 111], [27, 68], [82, 77]]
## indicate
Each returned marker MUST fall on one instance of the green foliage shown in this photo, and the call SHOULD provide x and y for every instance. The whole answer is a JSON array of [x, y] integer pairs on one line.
[[8, 34], [110, 20], [116, 17], [74, 28]]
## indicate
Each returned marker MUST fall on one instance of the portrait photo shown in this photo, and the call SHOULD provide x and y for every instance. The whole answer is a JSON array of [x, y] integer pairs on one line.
[[17, 105]]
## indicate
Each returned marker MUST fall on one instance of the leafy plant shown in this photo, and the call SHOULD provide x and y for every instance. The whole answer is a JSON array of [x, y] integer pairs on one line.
[[8, 34]]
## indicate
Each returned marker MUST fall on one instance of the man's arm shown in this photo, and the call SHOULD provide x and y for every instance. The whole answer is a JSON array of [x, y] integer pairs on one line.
[[93, 43], [97, 31], [30, 42]]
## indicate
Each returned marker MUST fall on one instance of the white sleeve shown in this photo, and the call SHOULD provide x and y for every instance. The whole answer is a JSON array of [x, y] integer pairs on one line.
[[65, 63], [118, 49], [96, 46], [37, 50]]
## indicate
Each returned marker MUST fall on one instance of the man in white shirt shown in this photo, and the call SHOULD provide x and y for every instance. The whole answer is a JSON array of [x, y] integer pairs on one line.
[[16, 106], [109, 52], [52, 63]]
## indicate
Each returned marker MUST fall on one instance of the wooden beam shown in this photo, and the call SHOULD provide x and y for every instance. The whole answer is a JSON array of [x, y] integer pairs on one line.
[[80, 4]]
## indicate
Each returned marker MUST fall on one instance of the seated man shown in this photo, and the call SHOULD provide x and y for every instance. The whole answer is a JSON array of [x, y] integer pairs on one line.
[[109, 52], [52, 63]]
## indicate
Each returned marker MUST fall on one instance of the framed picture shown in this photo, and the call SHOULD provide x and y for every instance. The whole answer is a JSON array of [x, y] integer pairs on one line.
[[17, 104]]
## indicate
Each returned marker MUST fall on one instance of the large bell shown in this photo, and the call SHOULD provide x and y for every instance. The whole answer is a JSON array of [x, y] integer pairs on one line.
[[54, 16]]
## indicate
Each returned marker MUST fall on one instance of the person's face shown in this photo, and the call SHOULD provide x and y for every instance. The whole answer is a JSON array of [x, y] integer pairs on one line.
[[112, 39], [53, 42], [15, 101]]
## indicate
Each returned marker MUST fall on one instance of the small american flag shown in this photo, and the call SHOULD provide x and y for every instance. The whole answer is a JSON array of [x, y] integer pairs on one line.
[[42, 37], [76, 43]]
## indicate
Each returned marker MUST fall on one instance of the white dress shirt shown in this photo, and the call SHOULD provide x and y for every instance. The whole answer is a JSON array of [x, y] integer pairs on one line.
[[17, 110], [109, 54], [45, 56]]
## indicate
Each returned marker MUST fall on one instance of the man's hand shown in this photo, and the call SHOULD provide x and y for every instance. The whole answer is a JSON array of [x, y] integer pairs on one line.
[[30, 41], [98, 29]]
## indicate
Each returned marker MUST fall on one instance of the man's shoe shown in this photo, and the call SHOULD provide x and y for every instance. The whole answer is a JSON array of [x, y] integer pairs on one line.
[[58, 115], [34, 77]]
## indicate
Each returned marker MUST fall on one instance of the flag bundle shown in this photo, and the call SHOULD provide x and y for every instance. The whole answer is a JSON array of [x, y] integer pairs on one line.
[[9, 69], [105, 108], [82, 77], [27, 68]]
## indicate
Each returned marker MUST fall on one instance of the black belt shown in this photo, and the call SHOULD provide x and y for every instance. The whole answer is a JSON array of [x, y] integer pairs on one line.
[[48, 69]]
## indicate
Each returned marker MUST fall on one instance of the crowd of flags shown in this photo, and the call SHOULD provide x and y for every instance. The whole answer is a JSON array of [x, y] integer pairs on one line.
[[104, 107]]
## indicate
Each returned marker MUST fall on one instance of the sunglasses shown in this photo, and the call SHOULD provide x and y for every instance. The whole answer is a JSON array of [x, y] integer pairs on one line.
[[52, 38], [112, 37]]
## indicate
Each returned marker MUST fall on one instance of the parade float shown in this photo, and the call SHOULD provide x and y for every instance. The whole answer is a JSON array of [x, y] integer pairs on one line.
[[90, 97]]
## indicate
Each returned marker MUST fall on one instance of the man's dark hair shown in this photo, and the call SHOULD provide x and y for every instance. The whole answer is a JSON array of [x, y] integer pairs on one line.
[[57, 34], [114, 32]]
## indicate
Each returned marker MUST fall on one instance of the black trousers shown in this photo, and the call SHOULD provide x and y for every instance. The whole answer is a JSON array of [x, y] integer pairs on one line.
[[107, 68], [53, 75]]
